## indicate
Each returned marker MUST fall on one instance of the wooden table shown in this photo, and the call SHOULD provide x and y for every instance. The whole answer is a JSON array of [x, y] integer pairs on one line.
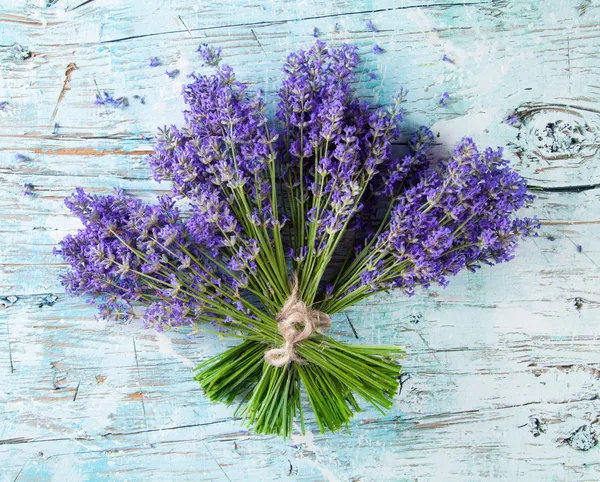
[[502, 377]]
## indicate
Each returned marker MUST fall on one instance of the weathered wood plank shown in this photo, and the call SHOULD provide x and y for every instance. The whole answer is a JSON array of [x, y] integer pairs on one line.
[[503, 365], [437, 394], [417, 39]]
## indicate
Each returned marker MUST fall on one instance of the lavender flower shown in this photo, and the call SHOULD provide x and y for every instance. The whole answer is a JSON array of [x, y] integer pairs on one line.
[[369, 25], [55, 129], [225, 152], [445, 58], [512, 120], [107, 99], [3, 105], [209, 55], [172, 73], [444, 99], [459, 215], [338, 151], [377, 49], [22, 157], [315, 32], [155, 62], [133, 253], [28, 189]]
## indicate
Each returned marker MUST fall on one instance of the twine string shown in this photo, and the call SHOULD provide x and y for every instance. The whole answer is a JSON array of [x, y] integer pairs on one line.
[[294, 314]]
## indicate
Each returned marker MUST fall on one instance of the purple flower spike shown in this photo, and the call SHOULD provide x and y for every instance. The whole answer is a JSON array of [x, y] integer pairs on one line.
[[458, 216], [209, 55], [172, 73], [444, 99], [377, 49], [154, 62]]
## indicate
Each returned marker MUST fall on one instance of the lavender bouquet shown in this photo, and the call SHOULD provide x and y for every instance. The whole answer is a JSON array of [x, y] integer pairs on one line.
[[262, 210]]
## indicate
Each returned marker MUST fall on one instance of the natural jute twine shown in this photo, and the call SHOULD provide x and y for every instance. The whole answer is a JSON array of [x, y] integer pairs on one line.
[[293, 314]]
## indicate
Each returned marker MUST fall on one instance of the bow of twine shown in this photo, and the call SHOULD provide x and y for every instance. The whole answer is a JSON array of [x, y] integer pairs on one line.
[[294, 314]]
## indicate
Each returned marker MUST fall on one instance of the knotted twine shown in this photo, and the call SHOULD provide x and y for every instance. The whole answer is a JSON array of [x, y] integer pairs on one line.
[[293, 314]]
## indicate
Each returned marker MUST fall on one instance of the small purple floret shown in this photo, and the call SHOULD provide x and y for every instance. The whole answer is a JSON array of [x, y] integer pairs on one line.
[[107, 99], [28, 189], [370, 26], [209, 55]]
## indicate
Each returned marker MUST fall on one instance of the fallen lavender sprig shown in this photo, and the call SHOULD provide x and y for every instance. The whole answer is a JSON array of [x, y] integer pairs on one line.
[[209, 55], [370, 27], [106, 98], [28, 189]]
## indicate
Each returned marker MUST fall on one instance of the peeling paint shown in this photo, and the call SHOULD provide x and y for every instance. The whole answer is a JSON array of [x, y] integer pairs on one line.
[[503, 363]]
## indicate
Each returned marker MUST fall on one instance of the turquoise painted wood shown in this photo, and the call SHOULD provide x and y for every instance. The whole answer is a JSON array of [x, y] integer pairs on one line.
[[502, 376]]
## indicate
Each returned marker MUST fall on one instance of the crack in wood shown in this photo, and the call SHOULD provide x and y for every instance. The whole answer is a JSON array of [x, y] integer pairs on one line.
[[74, 138], [215, 460], [582, 7], [258, 41], [20, 471], [571, 189], [402, 379], [569, 64], [89, 151], [12, 367], [72, 67], [25, 440], [184, 25], [264, 23], [541, 251], [401, 419], [580, 250], [528, 109], [137, 365], [76, 391], [81, 5], [351, 325]]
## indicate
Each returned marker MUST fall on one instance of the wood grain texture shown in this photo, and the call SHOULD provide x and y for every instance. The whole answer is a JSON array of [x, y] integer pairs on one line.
[[503, 374]]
